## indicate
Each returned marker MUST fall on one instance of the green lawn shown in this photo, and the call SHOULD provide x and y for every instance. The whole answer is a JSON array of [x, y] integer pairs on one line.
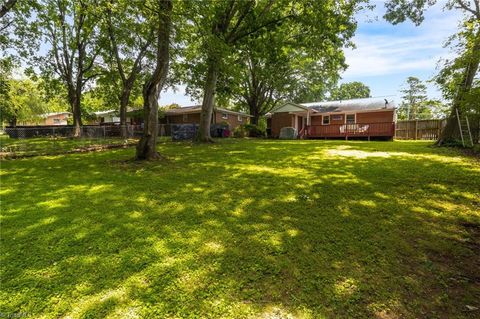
[[52, 145], [243, 229]]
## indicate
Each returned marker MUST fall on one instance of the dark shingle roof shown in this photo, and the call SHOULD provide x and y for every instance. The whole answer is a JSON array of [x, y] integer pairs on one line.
[[351, 105]]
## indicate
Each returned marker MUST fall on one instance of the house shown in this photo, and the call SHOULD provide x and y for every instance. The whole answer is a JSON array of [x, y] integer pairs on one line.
[[369, 117], [191, 115], [104, 117], [48, 119]]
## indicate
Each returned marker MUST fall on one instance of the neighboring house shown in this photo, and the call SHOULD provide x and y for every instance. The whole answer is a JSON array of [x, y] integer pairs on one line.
[[110, 117], [191, 115], [58, 118], [370, 117], [49, 119]]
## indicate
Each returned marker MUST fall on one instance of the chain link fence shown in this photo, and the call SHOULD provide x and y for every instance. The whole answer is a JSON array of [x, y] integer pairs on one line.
[[92, 131], [23, 141], [50, 140]]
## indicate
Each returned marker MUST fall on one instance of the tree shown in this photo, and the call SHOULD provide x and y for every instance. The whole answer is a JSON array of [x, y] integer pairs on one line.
[[351, 90], [70, 32], [414, 99], [451, 77], [129, 39], [160, 21], [220, 28], [172, 106], [22, 101], [435, 109], [466, 65], [284, 63], [217, 26]]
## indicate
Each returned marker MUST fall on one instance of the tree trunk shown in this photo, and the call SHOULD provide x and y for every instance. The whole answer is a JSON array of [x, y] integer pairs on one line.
[[254, 112], [124, 99], [147, 146], [448, 133], [77, 119], [74, 101], [203, 135]]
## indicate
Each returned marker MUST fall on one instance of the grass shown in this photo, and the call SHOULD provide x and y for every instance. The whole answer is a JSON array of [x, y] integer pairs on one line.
[[243, 229], [53, 145]]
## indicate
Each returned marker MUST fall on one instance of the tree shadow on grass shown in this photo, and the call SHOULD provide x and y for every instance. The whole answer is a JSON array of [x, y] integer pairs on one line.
[[243, 229]]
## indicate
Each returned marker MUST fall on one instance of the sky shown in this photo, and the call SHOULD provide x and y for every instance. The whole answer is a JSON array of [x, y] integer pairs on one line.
[[385, 55]]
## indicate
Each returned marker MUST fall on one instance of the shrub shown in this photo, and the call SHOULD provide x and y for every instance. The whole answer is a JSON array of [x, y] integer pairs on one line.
[[249, 130], [239, 131], [476, 149], [254, 131]]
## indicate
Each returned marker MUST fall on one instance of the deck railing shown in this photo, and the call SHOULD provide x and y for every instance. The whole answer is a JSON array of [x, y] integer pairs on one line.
[[352, 130]]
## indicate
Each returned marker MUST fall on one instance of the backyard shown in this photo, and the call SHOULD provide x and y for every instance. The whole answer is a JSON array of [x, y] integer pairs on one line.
[[243, 229]]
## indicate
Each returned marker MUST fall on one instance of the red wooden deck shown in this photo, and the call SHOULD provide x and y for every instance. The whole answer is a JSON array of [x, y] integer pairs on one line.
[[386, 129]]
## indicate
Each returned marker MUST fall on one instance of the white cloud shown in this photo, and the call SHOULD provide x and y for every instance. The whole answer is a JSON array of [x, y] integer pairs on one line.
[[382, 55], [383, 49]]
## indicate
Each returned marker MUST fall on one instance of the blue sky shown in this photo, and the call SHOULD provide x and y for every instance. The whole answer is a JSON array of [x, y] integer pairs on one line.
[[386, 55]]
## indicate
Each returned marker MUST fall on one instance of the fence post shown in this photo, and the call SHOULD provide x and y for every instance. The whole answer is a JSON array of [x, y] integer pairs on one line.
[[104, 134], [416, 129], [54, 139]]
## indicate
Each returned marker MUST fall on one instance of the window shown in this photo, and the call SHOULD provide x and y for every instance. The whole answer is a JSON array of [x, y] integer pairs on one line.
[[350, 119], [185, 117], [224, 116], [326, 120], [240, 118], [56, 121], [337, 117]]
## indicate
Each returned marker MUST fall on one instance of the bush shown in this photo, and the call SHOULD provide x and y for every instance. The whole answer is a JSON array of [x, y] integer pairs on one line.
[[239, 131], [249, 130], [476, 149]]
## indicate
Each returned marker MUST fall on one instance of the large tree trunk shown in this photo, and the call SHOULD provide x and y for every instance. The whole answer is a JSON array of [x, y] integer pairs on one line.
[[74, 101], [147, 146], [203, 135], [254, 112], [451, 128]]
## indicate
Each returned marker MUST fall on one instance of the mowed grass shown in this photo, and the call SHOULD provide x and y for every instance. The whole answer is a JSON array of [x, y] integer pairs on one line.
[[243, 229], [53, 145]]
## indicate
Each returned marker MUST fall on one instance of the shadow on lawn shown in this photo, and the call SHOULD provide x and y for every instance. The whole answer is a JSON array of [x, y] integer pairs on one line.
[[314, 229]]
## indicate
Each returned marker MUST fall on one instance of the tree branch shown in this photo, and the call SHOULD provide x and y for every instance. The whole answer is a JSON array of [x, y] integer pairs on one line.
[[464, 6], [113, 41], [243, 15], [261, 26], [7, 6]]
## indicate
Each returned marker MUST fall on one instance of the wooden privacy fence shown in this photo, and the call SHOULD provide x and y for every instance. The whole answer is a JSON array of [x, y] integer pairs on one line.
[[419, 129]]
